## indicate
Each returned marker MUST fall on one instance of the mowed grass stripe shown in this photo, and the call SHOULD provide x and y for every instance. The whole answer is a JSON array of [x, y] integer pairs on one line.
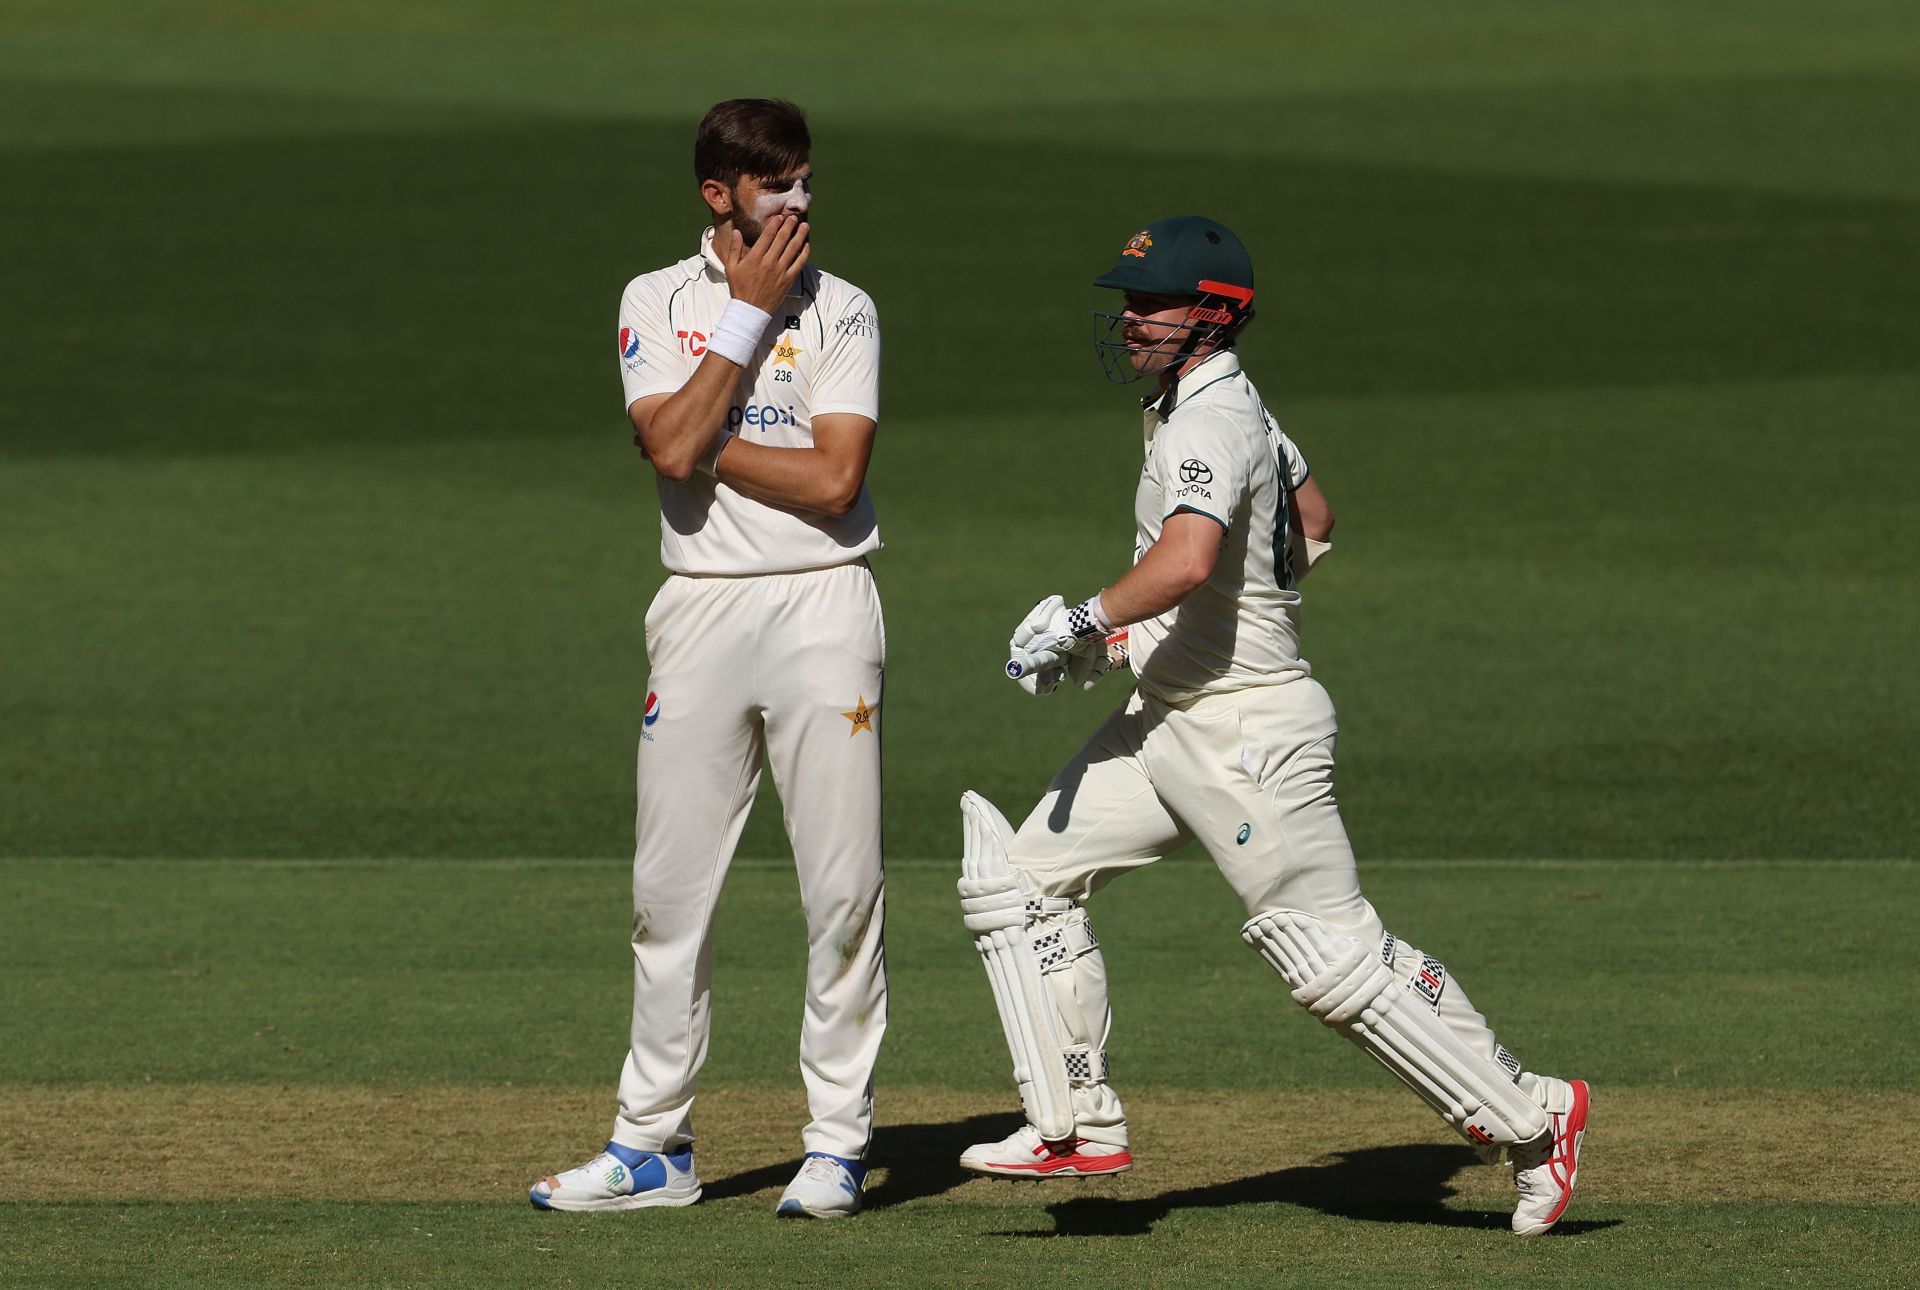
[[209, 1142], [423, 975]]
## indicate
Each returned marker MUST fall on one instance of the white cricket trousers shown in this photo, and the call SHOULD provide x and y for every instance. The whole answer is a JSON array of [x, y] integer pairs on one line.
[[788, 665], [1247, 774]]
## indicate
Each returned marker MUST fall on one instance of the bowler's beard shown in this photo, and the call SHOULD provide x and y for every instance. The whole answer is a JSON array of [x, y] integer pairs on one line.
[[749, 226]]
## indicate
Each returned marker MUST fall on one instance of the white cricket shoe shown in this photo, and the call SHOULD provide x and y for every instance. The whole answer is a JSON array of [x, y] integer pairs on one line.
[[826, 1187], [1026, 1154], [621, 1178], [1544, 1170]]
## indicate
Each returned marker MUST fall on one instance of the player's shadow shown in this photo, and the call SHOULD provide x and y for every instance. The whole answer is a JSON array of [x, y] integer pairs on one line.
[[1400, 1184], [1409, 1183], [920, 1160]]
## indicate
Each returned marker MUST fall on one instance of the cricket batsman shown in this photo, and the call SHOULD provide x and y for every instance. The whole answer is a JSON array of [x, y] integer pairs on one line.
[[1226, 739], [752, 380]]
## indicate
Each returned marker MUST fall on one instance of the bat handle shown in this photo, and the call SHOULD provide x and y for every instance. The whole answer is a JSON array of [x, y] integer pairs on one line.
[[1021, 661]]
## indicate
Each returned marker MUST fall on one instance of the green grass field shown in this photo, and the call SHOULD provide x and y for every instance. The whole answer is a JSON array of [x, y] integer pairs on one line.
[[324, 552]]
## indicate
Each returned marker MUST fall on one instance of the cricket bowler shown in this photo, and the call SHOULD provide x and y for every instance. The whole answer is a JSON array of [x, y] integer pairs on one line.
[[1227, 739], [752, 380]]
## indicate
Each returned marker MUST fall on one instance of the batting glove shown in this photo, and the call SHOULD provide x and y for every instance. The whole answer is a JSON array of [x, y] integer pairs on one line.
[[1085, 670], [1081, 629], [1031, 661], [1054, 641]]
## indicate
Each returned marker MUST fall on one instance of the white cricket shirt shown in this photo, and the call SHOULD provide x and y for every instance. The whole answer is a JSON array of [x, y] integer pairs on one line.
[[821, 354], [1220, 453]]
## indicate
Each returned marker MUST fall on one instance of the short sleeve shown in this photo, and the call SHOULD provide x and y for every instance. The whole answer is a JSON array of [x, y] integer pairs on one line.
[[1294, 463], [649, 362], [1206, 466], [847, 379]]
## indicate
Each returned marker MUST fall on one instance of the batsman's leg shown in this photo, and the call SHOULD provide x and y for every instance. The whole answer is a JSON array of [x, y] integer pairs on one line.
[[1021, 898], [1275, 830]]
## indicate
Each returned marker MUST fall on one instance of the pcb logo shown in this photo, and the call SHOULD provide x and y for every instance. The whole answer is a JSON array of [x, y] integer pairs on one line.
[[1138, 245]]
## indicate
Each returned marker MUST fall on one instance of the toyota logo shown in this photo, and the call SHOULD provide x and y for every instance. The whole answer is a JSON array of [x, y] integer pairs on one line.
[[1195, 471]]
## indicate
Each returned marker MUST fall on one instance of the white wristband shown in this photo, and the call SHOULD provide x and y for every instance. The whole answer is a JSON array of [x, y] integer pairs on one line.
[[709, 463], [738, 335]]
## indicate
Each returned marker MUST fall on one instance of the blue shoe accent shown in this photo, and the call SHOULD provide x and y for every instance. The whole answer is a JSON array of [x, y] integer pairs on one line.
[[854, 1167], [649, 1168], [631, 1157], [538, 1200]]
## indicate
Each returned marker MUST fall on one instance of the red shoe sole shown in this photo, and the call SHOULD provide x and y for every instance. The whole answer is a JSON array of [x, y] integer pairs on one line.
[[1059, 1166]]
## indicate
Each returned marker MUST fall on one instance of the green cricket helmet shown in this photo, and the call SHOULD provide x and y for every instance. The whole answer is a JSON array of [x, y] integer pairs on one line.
[[1185, 256]]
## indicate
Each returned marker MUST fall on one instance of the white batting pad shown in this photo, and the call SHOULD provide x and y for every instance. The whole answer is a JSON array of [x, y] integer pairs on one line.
[[1345, 984], [993, 905], [1063, 943]]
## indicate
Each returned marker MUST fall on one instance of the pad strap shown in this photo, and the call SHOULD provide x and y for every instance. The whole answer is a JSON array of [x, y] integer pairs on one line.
[[1059, 946], [1086, 1065]]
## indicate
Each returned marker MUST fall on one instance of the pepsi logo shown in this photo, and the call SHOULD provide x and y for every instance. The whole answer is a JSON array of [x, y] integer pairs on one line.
[[653, 709], [629, 342]]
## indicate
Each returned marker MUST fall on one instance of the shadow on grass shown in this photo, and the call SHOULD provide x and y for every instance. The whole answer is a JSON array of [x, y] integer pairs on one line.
[[1410, 1183], [1400, 1184], [921, 1160]]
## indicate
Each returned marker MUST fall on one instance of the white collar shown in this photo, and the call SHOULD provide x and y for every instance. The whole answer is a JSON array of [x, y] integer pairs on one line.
[[711, 256], [1217, 366]]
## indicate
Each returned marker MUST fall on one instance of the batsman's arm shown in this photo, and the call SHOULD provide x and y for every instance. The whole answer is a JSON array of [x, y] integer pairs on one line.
[[1311, 534], [1313, 511], [1170, 571], [825, 478]]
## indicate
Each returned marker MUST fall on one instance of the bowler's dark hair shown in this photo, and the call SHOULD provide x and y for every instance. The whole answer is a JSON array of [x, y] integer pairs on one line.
[[764, 138]]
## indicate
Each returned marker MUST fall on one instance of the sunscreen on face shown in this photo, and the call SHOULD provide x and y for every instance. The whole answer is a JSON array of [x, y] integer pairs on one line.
[[794, 200]]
